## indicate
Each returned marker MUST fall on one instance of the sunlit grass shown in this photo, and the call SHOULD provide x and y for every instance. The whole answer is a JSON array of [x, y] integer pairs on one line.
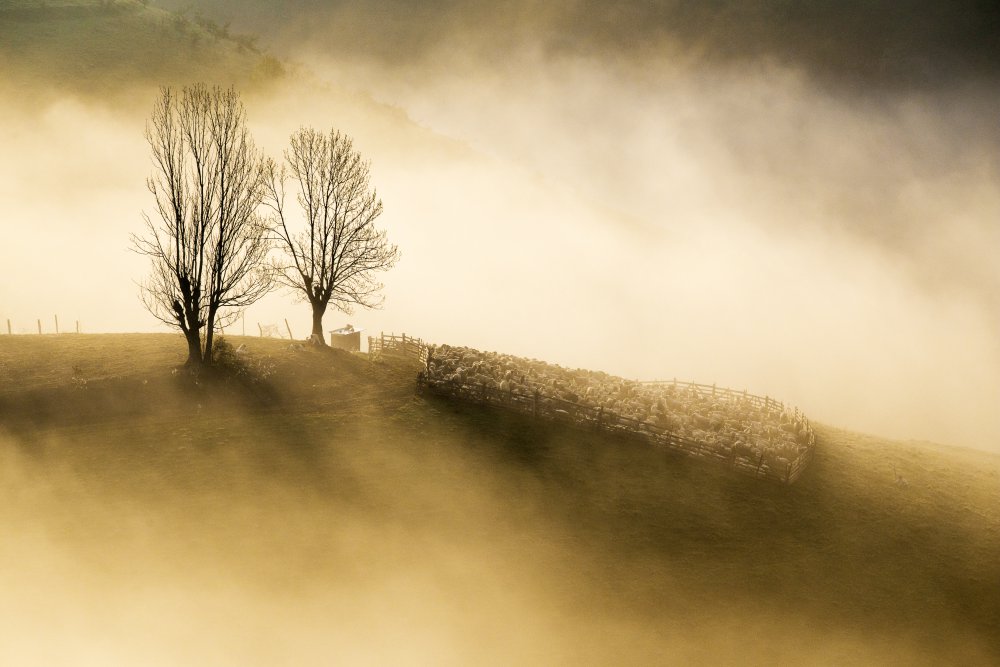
[[275, 487]]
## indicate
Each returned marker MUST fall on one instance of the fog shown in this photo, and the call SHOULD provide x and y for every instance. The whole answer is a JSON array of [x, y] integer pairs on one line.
[[858, 43], [141, 543], [801, 202], [742, 221], [765, 233]]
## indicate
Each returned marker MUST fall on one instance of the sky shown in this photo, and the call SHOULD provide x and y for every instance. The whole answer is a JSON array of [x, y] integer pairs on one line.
[[799, 199]]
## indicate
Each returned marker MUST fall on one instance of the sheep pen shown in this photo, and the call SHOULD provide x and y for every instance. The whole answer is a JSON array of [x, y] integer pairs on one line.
[[754, 435]]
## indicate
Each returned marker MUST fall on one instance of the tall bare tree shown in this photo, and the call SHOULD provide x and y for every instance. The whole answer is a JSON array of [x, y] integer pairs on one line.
[[334, 254], [208, 245]]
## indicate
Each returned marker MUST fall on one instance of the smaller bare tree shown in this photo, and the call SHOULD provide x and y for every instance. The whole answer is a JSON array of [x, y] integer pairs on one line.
[[335, 253]]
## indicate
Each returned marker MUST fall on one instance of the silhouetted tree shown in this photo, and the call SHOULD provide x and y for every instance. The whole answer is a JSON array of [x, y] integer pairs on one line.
[[336, 252], [208, 245]]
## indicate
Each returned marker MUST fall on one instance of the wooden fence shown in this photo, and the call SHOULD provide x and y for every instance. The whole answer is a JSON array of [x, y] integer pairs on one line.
[[38, 327], [399, 346], [712, 390], [576, 414]]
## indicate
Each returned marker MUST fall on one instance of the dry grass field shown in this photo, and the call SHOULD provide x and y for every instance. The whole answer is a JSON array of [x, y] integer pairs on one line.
[[331, 514]]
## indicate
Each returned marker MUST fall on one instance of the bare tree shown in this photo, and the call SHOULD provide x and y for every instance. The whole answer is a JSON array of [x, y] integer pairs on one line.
[[208, 244], [336, 252]]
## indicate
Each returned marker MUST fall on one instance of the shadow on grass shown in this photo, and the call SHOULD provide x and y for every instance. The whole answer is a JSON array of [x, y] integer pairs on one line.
[[843, 539]]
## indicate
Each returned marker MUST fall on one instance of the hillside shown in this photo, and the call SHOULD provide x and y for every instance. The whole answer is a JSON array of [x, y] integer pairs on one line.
[[332, 512], [867, 42], [99, 46]]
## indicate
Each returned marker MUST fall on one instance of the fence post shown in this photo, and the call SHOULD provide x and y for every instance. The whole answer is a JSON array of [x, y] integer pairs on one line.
[[56, 317], [8, 327], [290, 336], [260, 329], [78, 326], [39, 327]]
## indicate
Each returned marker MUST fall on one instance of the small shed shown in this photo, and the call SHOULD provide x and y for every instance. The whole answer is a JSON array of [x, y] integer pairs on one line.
[[346, 338]]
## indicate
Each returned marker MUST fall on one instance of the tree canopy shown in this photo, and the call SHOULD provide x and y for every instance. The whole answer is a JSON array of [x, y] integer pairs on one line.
[[335, 252]]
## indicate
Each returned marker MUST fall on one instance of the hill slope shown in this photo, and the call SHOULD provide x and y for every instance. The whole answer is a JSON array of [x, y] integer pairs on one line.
[[94, 46], [333, 512]]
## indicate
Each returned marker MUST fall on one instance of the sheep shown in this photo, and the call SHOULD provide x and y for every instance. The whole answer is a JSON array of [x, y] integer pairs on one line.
[[719, 420]]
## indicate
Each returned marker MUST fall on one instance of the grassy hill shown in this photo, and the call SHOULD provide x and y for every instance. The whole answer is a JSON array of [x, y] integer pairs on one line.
[[97, 46], [330, 513]]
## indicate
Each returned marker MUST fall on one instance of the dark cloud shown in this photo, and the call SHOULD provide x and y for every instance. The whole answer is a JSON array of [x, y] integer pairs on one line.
[[866, 42]]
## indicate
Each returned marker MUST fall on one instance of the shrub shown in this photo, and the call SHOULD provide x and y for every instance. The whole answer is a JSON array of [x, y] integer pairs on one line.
[[243, 367]]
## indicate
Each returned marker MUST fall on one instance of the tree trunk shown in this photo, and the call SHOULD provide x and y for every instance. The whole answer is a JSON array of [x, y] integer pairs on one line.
[[209, 338], [319, 309], [194, 348]]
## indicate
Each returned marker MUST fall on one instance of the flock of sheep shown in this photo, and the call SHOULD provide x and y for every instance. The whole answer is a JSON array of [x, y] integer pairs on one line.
[[752, 433]]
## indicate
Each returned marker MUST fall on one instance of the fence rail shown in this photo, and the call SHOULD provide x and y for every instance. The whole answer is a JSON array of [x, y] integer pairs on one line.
[[758, 401], [400, 346], [561, 410]]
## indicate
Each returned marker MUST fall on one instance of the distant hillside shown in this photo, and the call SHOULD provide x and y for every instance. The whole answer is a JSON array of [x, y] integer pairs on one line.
[[97, 46], [866, 42], [104, 49], [339, 508]]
